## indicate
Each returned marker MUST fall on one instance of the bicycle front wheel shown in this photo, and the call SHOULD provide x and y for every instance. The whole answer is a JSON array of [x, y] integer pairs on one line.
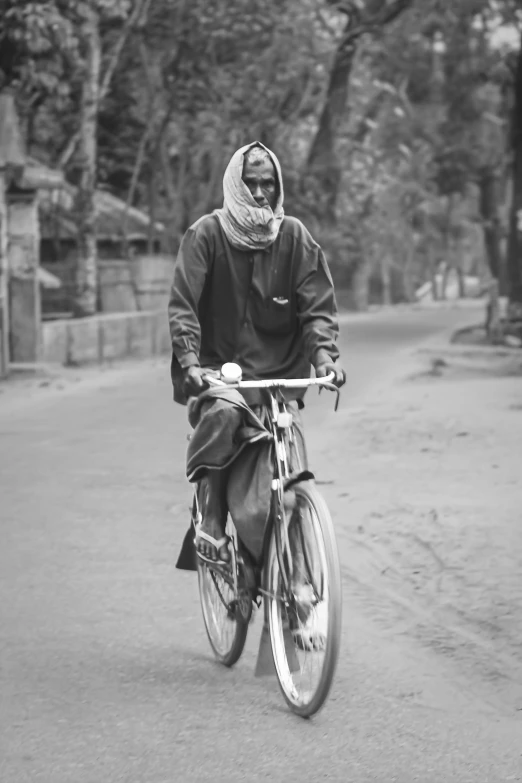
[[305, 618]]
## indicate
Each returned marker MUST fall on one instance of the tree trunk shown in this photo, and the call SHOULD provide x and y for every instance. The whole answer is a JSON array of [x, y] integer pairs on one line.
[[406, 274], [174, 199], [493, 321], [444, 284], [323, 175], [151, 197], [449, 243], [488, 184], [136, 172], [434, 287], [386, 296], [461, 280], [85, 295], [360, 285], [433, 265], [514, 255], [322, 178], [137, 17]]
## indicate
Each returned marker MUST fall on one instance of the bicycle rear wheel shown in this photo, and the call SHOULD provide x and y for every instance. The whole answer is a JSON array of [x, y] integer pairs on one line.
[[226, 613], [306, 635]]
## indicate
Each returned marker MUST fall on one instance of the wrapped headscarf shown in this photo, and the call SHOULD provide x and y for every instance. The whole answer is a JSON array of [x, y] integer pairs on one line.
[[248, 226]]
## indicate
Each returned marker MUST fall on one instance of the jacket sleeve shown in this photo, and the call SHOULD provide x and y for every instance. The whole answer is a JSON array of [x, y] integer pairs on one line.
[[317, 309], [190, 272]]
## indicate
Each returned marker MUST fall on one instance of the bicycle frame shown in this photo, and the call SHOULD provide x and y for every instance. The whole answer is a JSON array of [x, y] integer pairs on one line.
[[284, 437], [283, 433]]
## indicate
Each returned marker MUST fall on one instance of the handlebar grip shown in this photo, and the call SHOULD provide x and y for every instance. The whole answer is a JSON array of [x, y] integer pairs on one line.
[[213, 381]]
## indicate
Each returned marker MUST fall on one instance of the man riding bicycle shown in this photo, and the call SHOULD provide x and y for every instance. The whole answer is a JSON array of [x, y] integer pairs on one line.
[[252, 287]]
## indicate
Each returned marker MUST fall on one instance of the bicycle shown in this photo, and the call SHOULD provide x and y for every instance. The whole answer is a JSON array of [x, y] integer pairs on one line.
[[304, 631]]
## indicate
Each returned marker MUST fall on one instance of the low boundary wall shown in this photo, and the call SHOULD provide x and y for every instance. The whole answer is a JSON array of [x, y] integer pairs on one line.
[[105, 338]]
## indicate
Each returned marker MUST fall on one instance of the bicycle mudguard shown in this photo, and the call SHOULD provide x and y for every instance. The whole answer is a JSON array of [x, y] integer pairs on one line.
[[187, 559], [296, 478]]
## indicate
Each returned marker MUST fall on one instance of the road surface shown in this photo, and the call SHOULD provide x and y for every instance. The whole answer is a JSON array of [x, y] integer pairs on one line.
[[105, 671]]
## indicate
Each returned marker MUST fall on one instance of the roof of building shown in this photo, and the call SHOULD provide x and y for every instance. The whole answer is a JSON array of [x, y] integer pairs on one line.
[[38, 176], [114, 219], [26, 172]]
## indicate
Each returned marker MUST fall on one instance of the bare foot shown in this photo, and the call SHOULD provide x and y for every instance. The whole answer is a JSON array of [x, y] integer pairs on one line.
[[214, 529], [311, 634]]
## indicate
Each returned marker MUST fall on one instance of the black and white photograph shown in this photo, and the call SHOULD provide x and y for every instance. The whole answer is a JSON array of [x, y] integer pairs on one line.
[[260, 391]]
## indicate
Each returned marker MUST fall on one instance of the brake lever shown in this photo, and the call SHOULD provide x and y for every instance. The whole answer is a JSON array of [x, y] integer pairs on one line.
[[333, 388]]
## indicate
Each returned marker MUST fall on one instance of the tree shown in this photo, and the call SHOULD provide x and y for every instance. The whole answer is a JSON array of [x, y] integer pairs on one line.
[[85, 296], [95, 86], [62, 54], [392, 136], [323, 173]]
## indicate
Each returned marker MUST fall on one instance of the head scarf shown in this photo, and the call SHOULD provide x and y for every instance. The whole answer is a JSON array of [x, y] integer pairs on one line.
[[248, 226]]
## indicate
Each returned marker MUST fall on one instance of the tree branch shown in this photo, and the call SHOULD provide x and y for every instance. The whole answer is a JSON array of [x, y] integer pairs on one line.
[[144, 141], [135, 19], [358, 24], [388, 13]]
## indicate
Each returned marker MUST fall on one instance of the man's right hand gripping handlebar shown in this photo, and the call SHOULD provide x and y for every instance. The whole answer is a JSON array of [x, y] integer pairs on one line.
[[193, 381]]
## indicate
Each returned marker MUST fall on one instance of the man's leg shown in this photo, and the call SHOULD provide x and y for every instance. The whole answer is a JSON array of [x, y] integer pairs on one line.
[[213, 443], [215, 514]]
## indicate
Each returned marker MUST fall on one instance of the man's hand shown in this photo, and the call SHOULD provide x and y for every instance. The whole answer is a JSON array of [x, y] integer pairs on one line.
[[325, 369], [193, 383]]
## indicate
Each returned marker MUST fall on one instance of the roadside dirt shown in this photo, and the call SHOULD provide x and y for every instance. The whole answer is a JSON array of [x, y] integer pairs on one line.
[[22, 389], [430, 524], [426, 491]]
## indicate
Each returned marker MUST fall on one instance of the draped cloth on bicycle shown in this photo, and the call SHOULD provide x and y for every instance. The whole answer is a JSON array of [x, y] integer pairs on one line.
[[224, 426], [228, 434]]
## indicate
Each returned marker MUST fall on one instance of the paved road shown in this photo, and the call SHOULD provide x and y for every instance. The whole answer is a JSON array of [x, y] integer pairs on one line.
[[105, 673]]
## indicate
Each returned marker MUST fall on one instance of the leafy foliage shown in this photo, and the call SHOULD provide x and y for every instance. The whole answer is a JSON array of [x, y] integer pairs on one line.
[[419, 141]]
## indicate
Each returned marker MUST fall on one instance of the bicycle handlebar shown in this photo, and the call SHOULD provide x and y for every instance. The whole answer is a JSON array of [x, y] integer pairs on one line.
[[280, 383]]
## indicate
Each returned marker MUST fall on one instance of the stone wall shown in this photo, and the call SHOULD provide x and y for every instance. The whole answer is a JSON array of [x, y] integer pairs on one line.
[[105, 338], [140, 283], [124, 285]]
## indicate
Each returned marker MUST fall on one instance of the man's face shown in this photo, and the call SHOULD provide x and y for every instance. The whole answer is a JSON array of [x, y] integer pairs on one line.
[[260, 178]]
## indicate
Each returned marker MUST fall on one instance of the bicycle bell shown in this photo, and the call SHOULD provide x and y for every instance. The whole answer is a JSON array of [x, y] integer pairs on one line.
[[231, 372]]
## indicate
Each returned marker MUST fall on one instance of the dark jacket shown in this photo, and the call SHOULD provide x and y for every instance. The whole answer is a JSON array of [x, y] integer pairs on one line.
[[272, 311]]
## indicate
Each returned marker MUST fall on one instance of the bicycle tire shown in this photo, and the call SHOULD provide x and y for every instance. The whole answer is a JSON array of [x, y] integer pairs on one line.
[[226, 630], [288, 657]]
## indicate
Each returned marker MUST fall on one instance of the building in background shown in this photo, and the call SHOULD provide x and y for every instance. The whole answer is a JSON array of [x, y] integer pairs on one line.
[[129, 251], [38, 249]]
